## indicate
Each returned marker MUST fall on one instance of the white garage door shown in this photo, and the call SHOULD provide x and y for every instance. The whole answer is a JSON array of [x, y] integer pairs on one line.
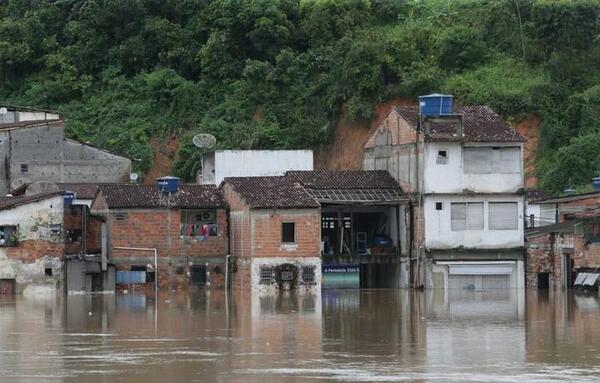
[[478, 282], [480, 276]]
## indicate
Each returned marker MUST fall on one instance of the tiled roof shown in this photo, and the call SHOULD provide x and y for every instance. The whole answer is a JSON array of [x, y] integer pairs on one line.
[[10, 202], [571, 198], [358, 196], [535, 195], [344, 179], [561, 227], [148, 196], [271, 192], [480, 124], [81, 190]]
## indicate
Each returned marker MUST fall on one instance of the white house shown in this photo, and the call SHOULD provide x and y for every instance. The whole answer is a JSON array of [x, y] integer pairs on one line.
[[465, 168], [221, 164]]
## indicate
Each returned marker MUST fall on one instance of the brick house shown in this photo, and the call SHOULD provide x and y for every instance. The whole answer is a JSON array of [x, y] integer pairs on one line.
[[275, 233], [549, 256], [565, 254], [188, 229]]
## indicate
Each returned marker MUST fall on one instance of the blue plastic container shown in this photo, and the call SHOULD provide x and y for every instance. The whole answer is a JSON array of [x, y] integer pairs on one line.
[[69, 197], [436, 104], [168, 184], [596, 183]]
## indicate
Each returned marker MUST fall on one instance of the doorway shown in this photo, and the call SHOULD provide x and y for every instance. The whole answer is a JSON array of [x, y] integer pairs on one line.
[[7, 286], [543, 280], [198, 275]]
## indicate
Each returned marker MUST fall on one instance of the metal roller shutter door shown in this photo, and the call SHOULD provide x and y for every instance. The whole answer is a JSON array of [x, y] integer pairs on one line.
[[480, 277]]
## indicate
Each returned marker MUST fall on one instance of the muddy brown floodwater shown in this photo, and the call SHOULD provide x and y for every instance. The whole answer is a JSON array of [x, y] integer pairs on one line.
[[337, 336]]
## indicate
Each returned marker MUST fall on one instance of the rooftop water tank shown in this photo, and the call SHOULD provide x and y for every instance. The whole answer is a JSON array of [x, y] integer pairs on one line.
[[435, 104], [596, 183], [69, 197], [569, 191], [168, 184]]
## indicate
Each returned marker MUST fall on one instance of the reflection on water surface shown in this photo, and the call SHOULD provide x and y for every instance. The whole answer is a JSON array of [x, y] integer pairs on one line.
[[340, 335]]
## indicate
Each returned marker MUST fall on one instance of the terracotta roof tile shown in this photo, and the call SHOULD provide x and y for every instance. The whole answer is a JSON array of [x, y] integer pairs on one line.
[[10, 202], [81, 190], [344, 179], [480, 124], [148, 196], [271, 192]]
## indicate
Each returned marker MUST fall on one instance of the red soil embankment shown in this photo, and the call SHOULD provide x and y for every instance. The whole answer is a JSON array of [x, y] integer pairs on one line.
[[345, 150], [529, 127], [164, 154]]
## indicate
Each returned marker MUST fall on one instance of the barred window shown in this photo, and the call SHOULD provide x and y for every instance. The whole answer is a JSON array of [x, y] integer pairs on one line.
[[308, 274], [266, 275]]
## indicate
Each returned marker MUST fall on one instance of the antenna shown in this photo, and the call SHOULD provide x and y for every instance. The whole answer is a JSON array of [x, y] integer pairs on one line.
[[133, 177], [3, 111], [204, 141]]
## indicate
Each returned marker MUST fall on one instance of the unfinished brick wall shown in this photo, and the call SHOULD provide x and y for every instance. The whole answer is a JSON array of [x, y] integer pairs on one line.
[[266, 227], [75, 217], [160, 229], [586, 255], [397, 129], [567, 208], [544, 255], [30, 250]]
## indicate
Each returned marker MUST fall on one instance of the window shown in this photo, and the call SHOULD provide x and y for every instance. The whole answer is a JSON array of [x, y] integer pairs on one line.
[[198, 223], [492, 160], [442, 157], [24, 169], [8, 236], [381, 163], [466, 216], [308, 274], [55, 230], [74, 235], [439, 206], [48, 271], [288, 232], [266, 275], [504, 216]]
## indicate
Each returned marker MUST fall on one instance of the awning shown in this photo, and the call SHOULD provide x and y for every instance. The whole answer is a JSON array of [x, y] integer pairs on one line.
[[586, 279]]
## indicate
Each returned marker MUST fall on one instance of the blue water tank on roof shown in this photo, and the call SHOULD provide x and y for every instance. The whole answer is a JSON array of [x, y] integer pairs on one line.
[[69, 197], [436, 104], [596, 183], [168, 184]]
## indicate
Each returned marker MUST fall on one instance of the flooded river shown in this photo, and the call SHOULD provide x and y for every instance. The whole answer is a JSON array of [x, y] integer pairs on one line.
[[338, 336]]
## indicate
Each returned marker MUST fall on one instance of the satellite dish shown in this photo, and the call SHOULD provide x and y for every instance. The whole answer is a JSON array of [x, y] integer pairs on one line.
[[133, 177], [3, 111], [19, 182], [40, 187], [204, 141]]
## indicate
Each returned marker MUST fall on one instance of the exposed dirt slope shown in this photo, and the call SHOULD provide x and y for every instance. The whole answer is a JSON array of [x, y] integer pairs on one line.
[[164, 154], [345, 150], [529, 127]]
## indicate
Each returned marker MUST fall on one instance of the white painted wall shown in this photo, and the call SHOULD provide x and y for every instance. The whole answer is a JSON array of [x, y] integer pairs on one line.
[[243, 163], [438, 233], [451, 178], [34, 221], [276, 261]]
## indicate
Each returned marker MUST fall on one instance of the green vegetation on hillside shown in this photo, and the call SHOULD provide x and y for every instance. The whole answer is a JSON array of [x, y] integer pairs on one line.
[[275, 74]]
